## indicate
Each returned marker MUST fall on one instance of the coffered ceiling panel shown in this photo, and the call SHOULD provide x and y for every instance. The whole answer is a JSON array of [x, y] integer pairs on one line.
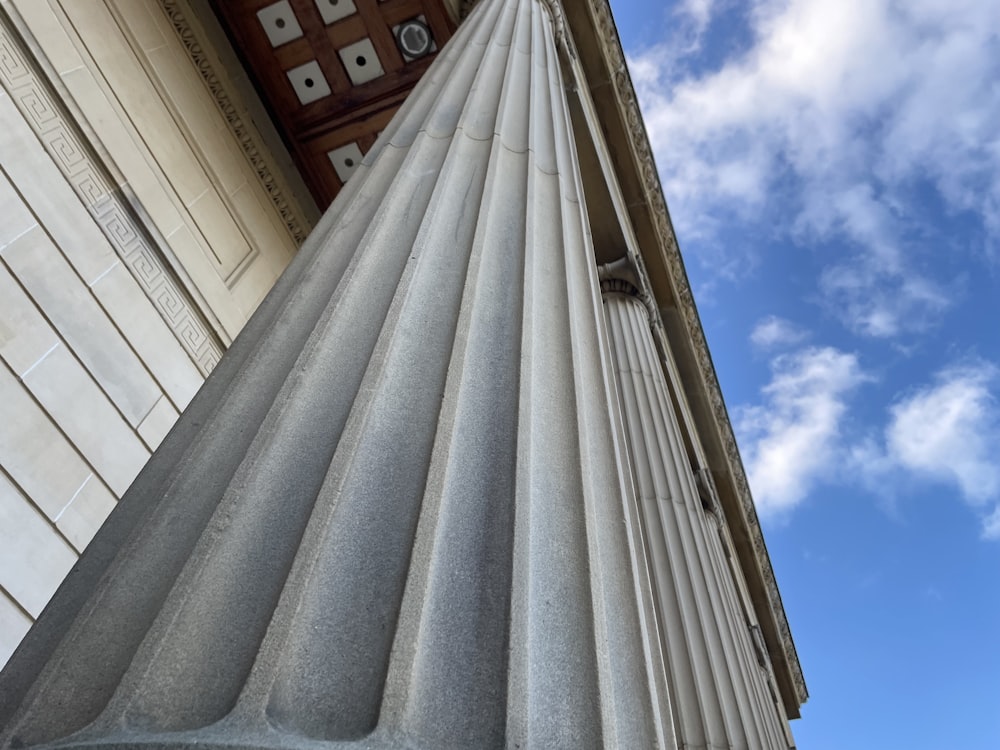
[[333, 72]]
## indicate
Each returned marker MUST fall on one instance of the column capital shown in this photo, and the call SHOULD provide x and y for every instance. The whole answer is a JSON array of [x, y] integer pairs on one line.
[[708, 494], [623, 277], [559, 26]]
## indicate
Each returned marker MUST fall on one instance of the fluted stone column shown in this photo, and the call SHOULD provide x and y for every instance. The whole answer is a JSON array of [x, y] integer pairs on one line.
[[393, 517], [717, 690], [751, 662]]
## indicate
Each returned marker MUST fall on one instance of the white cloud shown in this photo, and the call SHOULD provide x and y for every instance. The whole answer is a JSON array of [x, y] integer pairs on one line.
[[794, 438], [834, 117], [773, 332], [881, 303], [699, 11], [950, 431], [946, 432], [991, 525]]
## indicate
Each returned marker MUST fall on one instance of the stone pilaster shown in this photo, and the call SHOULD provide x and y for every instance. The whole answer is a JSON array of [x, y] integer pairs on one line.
[[718, 693], [393, 517]]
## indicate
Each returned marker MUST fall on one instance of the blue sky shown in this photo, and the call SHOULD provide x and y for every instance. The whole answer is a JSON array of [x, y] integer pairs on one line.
[[833, 174]]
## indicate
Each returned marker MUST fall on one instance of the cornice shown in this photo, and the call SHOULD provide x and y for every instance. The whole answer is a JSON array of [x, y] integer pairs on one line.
[[244, 133], [607, 37]]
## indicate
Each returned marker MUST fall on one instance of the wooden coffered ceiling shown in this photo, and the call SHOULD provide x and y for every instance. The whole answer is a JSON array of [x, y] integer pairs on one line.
[[333, 72]]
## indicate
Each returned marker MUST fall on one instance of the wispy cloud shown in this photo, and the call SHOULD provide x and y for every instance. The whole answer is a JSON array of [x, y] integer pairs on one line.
[[793, 439], [686, 21], [946, 432], [773, 332], [699, 11], [950, 431], [991, 524], [827, 127], [881, 303]]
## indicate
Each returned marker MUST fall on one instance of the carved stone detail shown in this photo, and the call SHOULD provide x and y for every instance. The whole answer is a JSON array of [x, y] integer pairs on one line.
[[618, 286], [33, 95], [708, 493], [294, 223], [629, 107], [627, 276], [563, 39]]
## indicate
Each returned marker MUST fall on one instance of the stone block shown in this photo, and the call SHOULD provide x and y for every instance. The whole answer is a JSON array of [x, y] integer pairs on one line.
[[25, 336], [33, 451], [82, 324], [33, 557], [77, 405], [157, 423], [17, 218], [88, 509], [149, 335]]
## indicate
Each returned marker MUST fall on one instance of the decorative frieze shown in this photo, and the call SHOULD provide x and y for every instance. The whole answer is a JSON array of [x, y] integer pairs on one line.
[[243, 132]]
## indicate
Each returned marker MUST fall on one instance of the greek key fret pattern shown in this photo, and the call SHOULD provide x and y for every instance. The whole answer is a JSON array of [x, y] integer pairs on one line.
[[62, 139]]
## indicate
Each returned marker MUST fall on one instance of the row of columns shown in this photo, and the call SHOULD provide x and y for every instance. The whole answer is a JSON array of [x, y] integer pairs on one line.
[[720, 696]]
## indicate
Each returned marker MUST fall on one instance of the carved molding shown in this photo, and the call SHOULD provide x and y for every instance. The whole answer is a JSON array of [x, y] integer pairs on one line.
[[558, 17], [68, 147], [244, 133], [618, 286], [629, 106], [626, 276]]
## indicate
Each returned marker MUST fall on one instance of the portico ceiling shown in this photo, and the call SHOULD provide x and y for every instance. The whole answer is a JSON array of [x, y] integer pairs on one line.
[[333, 72]]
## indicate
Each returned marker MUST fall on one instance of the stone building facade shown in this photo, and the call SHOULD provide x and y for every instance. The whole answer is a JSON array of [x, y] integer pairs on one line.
[[496, 288]]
